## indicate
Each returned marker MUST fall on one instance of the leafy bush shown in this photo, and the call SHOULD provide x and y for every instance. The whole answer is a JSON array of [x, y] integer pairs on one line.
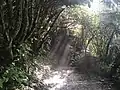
[[14, 77]]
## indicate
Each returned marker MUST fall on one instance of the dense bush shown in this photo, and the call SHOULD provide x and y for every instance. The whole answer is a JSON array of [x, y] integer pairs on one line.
[[28, 28], [24, 27]]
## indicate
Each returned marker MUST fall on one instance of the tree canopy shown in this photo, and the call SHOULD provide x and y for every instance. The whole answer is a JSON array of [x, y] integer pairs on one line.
[[30, 29]]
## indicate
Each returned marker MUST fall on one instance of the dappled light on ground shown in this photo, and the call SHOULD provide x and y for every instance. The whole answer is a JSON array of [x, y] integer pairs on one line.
[[64, 78], [57, 79]]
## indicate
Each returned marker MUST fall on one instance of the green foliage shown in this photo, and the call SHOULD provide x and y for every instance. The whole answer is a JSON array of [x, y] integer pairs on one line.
[[99, 38], [1, 83], [13, 77], [27, 28], [24, 28]]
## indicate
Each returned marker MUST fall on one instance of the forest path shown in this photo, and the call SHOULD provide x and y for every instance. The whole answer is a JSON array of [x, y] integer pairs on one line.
[[65, 78]]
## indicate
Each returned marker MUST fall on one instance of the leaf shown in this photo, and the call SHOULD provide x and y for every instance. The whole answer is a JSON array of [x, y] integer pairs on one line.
[[1, 83]]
